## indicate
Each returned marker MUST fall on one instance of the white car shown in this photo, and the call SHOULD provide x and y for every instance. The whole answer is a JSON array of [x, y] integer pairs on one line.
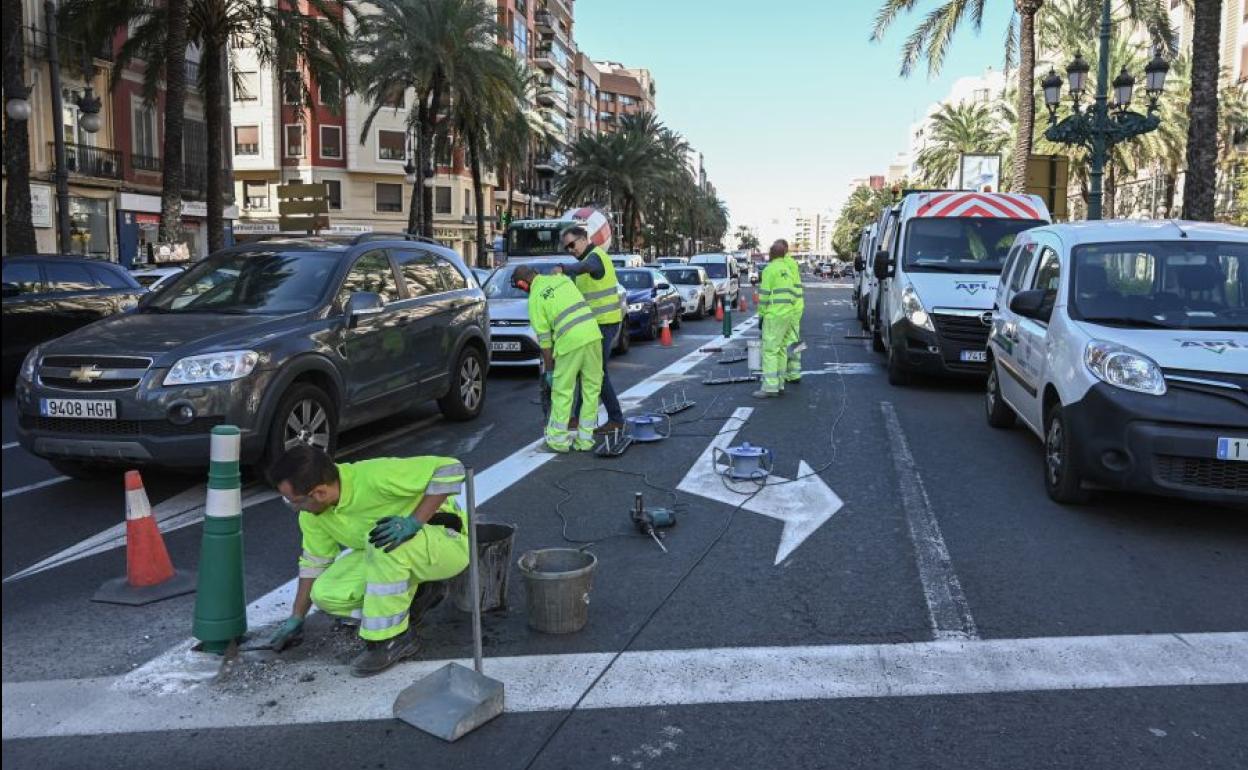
[[622, 261], [663, 262], [697, 291], [723, 271], [1124, 347]]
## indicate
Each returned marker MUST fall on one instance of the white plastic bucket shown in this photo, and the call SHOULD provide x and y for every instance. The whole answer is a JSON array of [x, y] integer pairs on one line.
[[754, 355]]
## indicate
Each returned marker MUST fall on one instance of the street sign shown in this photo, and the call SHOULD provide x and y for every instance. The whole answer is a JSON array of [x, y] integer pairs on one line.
[[303, 207], [1047, 176], [803, 503]]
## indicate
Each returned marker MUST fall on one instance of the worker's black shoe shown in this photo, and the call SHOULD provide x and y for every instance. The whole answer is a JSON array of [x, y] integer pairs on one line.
[[379, 656], [428, 596]]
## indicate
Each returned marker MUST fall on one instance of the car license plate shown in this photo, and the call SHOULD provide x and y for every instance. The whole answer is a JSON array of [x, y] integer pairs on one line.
[[1233, 449], [78, 408], [975, 356], [505, 347]]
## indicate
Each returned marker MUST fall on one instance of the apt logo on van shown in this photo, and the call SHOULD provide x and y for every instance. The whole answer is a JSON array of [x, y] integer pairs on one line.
[[974, 287], [1214, 346]]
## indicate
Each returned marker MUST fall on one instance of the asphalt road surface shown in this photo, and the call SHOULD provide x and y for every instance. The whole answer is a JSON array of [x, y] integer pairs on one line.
[[900, 594]]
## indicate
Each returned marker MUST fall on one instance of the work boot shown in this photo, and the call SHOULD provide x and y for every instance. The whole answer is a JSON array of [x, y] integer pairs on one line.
[[428, 596], [608, 427], [379, 656], [765, 394]]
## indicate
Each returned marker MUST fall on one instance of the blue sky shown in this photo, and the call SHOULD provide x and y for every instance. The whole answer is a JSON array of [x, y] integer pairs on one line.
[[787, 99]]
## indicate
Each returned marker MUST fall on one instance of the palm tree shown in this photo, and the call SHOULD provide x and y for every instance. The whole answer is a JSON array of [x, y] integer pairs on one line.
[[283, 38], [1200, 182], [530, 126], [171, 35], [19, 231], [746, 239], [931, 39], [954, 130]]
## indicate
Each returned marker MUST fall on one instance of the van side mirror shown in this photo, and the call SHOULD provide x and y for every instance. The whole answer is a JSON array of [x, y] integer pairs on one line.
[[860, 264], [663, 286], [1036, 304], [11, 290], [883, 265], [362, 304]]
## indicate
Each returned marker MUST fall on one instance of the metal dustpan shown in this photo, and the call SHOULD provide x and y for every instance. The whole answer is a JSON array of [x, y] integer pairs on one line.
[[454, 700]]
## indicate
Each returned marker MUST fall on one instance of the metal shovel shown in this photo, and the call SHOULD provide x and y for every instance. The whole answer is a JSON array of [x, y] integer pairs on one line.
[[453, 701]]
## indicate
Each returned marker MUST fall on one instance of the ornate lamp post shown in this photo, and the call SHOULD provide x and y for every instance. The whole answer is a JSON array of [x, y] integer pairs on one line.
[[1102, 125]]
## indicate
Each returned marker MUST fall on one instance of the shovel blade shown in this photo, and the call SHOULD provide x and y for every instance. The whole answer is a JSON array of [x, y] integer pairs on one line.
[[451, 702]]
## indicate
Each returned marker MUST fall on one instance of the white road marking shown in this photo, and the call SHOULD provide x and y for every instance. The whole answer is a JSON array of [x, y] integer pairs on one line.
[[32, 487], [180, 667], [10, 445], [947, 609], [535, 683], [803, 504], [846, 368]]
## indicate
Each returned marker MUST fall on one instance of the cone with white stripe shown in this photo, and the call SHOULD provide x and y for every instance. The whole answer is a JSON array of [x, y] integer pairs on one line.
[[150, 575], [220, 606]]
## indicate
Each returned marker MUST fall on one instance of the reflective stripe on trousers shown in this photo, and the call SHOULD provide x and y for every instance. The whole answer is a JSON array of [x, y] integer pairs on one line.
[[583, 364]]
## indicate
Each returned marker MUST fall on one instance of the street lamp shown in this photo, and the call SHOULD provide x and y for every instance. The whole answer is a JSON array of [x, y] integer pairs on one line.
[[1098, 128], [18, 105]]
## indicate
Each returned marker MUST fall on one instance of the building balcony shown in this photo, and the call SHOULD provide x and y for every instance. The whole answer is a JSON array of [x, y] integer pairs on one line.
[[85, 160], [147, 163], [551, 161]]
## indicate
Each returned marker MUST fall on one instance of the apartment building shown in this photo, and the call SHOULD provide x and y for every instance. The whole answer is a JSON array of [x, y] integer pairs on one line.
[[623, 91], [114, 173], [556, 56]]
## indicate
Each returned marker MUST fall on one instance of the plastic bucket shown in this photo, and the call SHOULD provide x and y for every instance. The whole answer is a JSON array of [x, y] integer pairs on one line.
[[557, 582], [494, 565], [754, 354]]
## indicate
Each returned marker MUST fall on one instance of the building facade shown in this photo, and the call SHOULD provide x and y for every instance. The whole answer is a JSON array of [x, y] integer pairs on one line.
[[623, 91]]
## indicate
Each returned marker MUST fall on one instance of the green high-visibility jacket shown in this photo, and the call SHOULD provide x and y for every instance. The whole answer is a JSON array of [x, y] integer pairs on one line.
[[372, 490], [795, 278], [780, 290], [560, 316], [600, 293]]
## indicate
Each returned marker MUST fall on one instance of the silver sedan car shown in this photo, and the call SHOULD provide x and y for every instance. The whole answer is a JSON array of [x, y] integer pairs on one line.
[[512, 340]]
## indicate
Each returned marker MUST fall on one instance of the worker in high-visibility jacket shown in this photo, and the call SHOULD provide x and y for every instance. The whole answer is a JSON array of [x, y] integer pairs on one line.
[[571, 346], [780, 305], [594, 276], [379, 538]]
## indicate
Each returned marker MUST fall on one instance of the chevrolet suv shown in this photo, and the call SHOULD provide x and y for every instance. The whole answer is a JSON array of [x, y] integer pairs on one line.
[[290, 340]]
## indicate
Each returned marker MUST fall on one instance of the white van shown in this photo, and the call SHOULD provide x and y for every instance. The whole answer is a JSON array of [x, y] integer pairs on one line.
[[871, 289], [860, 272], [723, 272], [939, 267], [1124, 347]]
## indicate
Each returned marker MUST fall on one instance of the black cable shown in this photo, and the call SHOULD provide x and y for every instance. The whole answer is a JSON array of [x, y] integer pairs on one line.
[[567, 495]]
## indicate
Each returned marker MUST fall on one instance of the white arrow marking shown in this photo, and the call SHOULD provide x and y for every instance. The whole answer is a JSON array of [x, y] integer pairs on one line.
[[803, 504]]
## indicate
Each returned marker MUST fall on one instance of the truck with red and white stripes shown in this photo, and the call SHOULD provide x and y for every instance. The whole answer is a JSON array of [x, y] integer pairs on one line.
[[938, 268]]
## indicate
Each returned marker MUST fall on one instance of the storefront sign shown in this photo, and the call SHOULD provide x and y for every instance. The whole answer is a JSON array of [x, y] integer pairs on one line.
[[255, 228], [40, 205], [447, 235], [151, 204], [346, 230]]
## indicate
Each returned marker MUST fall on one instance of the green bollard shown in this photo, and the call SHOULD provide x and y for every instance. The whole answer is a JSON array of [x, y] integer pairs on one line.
[[221, 605], [727, 316]]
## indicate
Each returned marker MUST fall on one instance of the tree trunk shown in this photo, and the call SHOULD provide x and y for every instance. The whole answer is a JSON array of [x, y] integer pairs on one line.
[[19, 232], [175, 107], [428, 127], [478, 196], [1026, 107], [213, 114], [1172, 183], [1109, 203], [1200, 182]]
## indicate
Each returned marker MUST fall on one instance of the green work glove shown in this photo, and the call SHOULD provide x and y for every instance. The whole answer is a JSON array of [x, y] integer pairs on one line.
[[393, 531], [548, 380], [290, 630]]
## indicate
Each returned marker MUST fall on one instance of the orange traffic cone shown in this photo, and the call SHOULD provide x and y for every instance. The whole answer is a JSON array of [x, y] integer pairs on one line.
[[665, 337], [756, 299], [150, 575], [719, 308], [741, 303]]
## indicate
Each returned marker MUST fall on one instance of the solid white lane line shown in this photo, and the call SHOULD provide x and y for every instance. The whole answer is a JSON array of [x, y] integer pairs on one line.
[[651, 678], [32, 487], [946, 604], [9, 445]]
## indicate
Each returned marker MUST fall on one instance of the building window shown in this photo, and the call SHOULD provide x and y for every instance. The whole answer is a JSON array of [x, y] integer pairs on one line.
[[467, 203], [255, 195], [292, 87], [328, 89], [246, 86], [294, 140], [88, 228], [391, 145], [331, 142], [395, 99], [389, 197], [247, 140], [442, 200], [334, 188], [144, 120], [442, 154], [520, 35]]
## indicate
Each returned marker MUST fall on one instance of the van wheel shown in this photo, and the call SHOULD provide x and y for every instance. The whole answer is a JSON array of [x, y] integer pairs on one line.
[[898, 374], [305, 415], [1063, 479], [1000, 415], [877, 339], [466, 396]]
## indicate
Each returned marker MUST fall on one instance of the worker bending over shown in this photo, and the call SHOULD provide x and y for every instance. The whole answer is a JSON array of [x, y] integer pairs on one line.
[[405, 533], [571, 344], [780, 306]]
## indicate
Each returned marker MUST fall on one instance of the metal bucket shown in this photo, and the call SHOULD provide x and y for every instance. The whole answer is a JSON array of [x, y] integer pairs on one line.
[[494, 563], [557, 582], [754, 354]]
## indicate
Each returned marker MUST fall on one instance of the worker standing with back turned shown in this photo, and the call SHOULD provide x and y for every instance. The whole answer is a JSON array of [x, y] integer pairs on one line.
[[779, 307], [571, 346], [793, 345]]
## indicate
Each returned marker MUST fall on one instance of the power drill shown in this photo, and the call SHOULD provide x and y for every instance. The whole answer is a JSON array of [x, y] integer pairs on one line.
[[648, 520]]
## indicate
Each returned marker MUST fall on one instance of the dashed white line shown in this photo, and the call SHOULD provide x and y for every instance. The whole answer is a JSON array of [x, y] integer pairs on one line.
[[10, 445], [946, 604], [32, 487]]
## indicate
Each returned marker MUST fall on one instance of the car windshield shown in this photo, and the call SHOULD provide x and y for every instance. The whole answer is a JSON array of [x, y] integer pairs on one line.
[[715, 269], [962, 245], [534, 239], [499, 286], [149, 279], [261, 283], [635, 279], [683, 276], [1166, 284]]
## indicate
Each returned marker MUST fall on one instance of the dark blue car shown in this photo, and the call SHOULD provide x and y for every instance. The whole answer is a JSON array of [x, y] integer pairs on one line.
[[651, 300]]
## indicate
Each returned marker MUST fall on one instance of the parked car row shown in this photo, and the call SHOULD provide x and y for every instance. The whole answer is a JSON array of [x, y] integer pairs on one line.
[[1123, 346]]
